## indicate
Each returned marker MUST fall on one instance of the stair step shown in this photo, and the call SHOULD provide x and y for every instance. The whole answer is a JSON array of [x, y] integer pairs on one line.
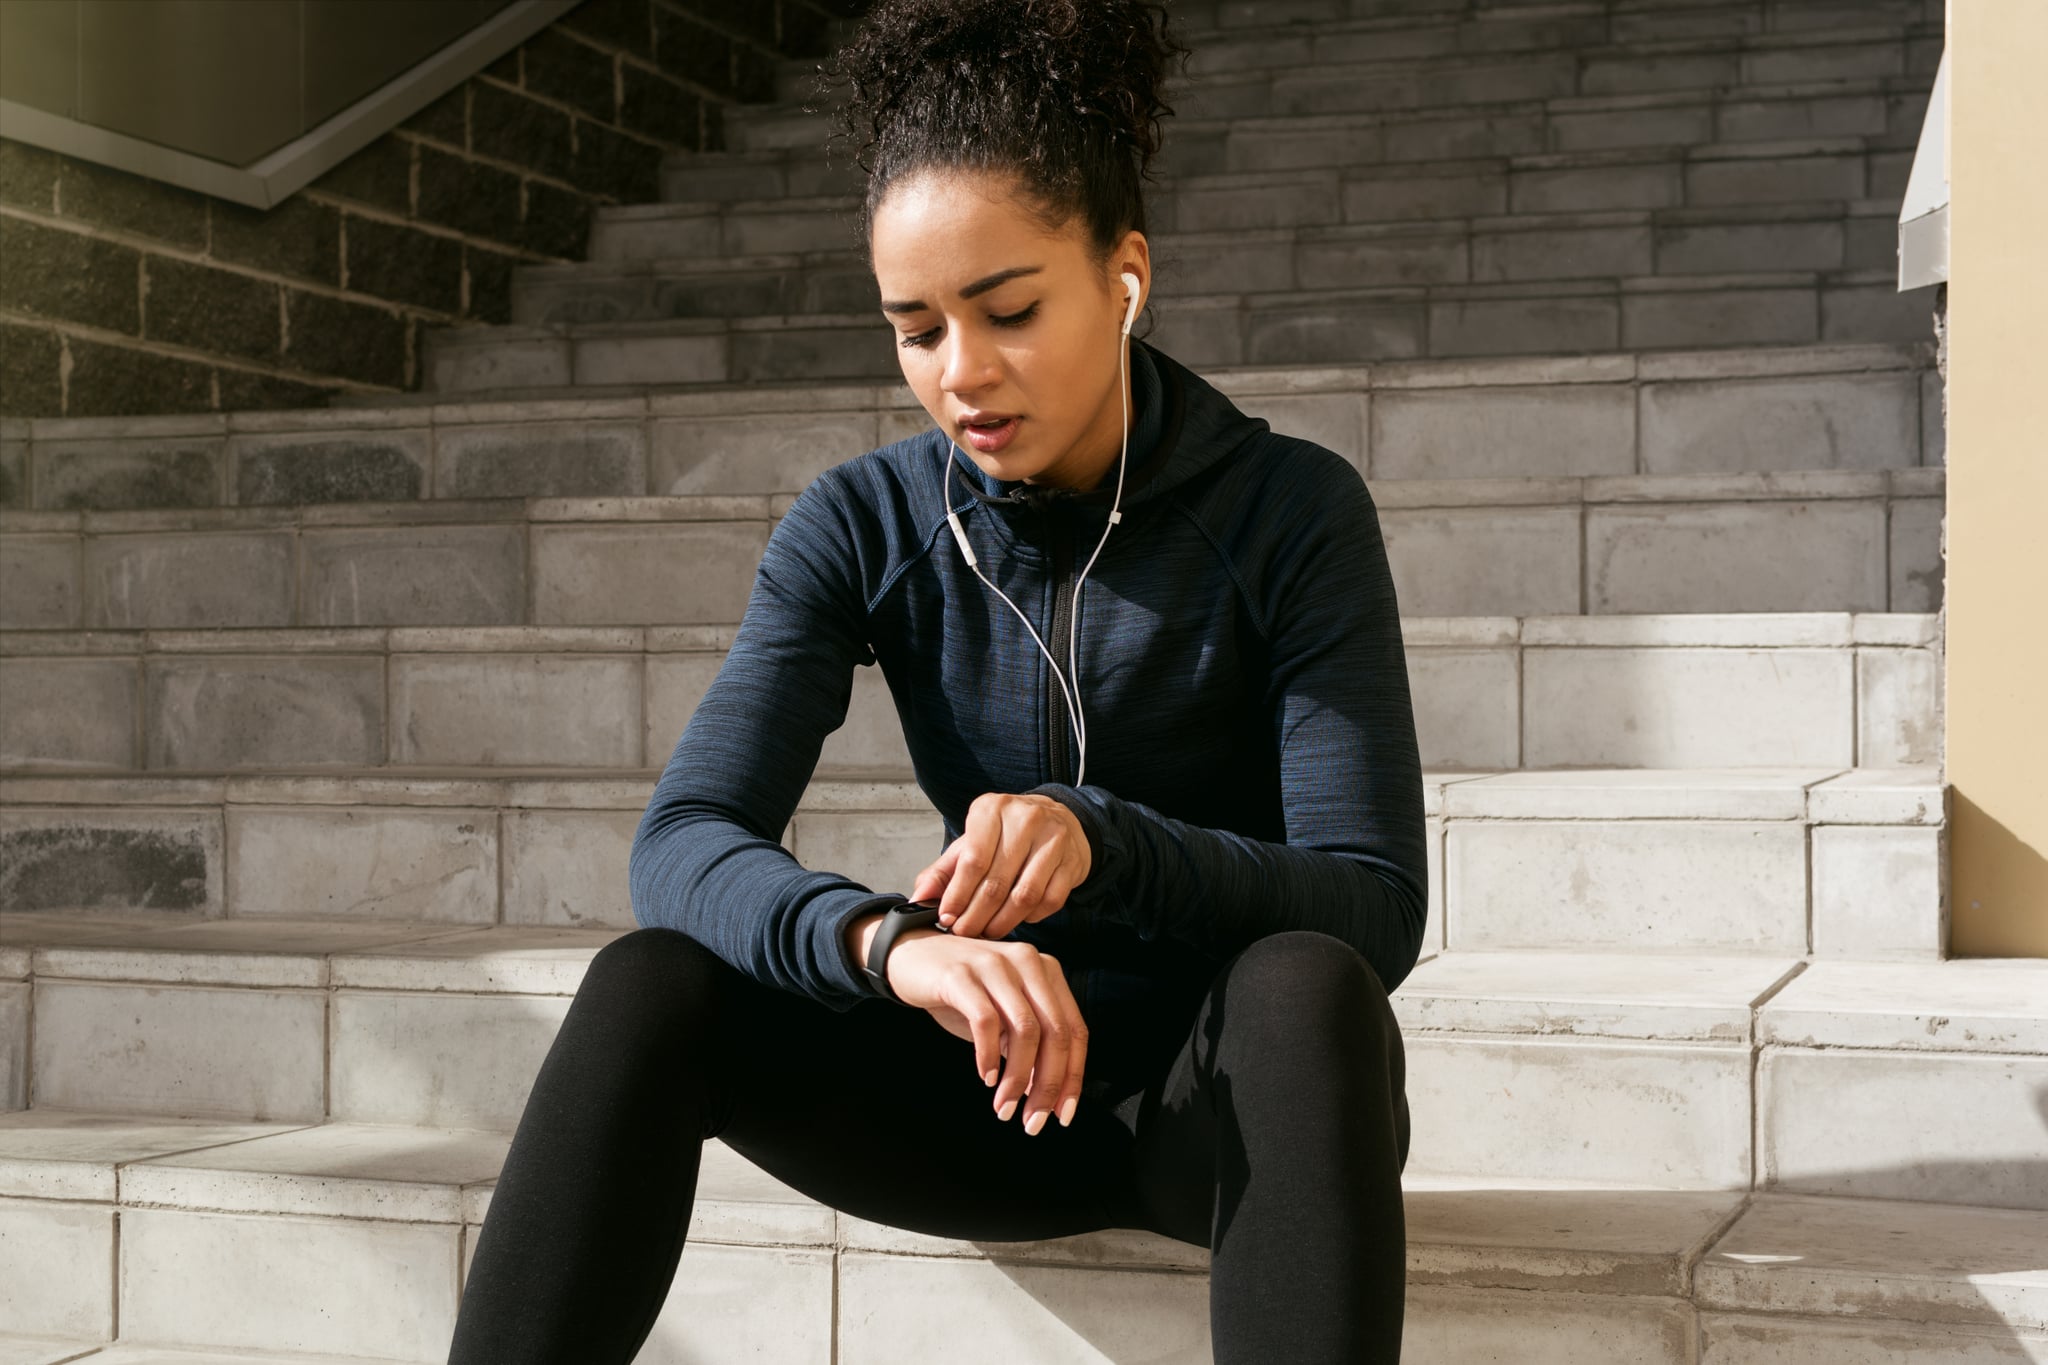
[[1565, 65], [1835, 859], [1616, 1269], [1735, 410], [1267, 328], [1885, 111], [1809, 174], [1813, 540], [634, 277], [1677, 691]]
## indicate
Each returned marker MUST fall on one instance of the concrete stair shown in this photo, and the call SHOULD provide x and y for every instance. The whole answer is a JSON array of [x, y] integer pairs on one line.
[[302, 856], [1507, 181], [1829, 859], [1640, 690], [1797, 1216]]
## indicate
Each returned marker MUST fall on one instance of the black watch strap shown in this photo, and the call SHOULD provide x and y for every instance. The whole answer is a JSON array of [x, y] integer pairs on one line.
[[894, 923]]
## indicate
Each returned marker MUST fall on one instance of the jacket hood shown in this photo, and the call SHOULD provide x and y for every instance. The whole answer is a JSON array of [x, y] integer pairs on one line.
[[1180, 425]]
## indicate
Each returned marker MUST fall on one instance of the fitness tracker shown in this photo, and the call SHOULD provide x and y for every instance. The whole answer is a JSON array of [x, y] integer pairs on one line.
[[909, 915]]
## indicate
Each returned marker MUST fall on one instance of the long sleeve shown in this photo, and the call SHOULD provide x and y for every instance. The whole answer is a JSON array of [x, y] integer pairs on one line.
[[706, 857], [1353, 864]]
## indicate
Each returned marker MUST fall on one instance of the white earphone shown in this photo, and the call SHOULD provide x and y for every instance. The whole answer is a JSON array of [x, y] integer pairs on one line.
[[1071, 693]]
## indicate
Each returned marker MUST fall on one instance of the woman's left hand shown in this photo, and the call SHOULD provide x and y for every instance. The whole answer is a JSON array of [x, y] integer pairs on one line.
[[1016, 859]]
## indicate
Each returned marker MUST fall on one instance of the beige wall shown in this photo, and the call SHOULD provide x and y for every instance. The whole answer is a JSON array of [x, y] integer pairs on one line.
[[1997, 573]]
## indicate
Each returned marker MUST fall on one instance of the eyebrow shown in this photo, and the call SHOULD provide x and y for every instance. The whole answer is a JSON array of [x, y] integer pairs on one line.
[[980, 286]]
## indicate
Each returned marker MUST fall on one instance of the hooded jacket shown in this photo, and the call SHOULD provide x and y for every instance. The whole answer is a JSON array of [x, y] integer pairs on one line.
[[1252, 761]]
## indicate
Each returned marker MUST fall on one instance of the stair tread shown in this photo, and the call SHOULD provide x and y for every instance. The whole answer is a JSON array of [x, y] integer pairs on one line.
[[1387, 493], [1735, 1249]]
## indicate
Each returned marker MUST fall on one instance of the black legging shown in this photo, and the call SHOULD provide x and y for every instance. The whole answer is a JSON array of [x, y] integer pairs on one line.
[[1273, 1133]]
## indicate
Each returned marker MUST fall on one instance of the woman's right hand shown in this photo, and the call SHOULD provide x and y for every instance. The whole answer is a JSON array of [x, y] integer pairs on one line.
[[1006, 997]]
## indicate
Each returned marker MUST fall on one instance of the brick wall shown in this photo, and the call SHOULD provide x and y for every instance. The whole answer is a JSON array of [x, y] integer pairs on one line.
[[121, 295]]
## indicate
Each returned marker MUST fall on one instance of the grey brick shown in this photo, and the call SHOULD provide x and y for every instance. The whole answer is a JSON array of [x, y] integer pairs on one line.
[[1391, 197], [1876, 312], [59, 274], [71, 713], [1821, 421], [165, 471], [1604, 129], [541, 460], [1721, 317], [560, 68], [126, 381], [1638, 73], [28, 177], [342, 337], [110, 198], [814, 353], [745, 455], [568, 867], [1459, 136], [1502, 432], [1771, 120], [1732, 248], [1589, 189], [679, 573], [381, 465], [403, 264], [1830, 62], [466, 195], [1759, 556], [30, 359], [1774, 180], [578, 711], [1320, 334], [85, 860], [379, 174], [414, 576], [508, 126], [14, 490], [657, 107], [219, 311], [1533, 326], [211, 711], [41, 573], [299, 237], [1567, 253], [188, 580], [436, 866]]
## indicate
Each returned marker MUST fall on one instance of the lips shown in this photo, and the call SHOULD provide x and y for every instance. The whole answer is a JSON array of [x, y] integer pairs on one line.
[[982, 419], [989, 439]]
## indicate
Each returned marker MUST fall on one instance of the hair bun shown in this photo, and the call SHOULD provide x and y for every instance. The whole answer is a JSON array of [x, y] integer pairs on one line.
[[1067, 93]]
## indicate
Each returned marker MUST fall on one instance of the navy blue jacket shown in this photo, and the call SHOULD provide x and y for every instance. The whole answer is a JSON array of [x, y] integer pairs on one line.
[[1252, 763]]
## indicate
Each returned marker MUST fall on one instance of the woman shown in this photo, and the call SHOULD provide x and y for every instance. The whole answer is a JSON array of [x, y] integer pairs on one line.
[[1164, 712]]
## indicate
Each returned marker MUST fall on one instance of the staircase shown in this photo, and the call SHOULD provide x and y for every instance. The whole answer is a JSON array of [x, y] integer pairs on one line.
[[326, 732]]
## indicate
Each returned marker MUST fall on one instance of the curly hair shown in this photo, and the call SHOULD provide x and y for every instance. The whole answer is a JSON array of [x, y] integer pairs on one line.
[[1064, 94]]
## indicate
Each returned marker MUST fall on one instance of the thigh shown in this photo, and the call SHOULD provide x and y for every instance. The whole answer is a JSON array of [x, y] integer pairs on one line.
[[877, 1111], [1176, 1121]]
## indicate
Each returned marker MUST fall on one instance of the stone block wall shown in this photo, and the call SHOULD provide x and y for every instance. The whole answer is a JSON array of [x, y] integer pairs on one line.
[[121, 295]]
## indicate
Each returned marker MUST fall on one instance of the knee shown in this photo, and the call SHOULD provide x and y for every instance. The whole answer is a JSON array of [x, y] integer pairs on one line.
[[1310, 980], [654, 960]]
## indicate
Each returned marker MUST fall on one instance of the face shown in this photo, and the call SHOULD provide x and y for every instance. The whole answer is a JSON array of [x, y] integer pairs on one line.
[[992, 315]]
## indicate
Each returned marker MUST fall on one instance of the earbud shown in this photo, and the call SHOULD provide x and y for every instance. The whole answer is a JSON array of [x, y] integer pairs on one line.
[[1131, 313]]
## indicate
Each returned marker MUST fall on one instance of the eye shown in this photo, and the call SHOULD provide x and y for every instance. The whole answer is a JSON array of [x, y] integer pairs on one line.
[[925, 339]]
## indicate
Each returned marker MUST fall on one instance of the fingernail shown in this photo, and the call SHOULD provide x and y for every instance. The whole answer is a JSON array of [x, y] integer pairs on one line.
[[1067, 1111], [1007, 1110], [1035, 1122], [988, 1077]]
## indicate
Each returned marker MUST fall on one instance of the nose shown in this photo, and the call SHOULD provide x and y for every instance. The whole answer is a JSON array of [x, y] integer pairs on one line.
[[970, 361]]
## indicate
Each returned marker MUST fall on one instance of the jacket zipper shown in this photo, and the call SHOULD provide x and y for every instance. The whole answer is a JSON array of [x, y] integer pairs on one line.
[[1062, 762]]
